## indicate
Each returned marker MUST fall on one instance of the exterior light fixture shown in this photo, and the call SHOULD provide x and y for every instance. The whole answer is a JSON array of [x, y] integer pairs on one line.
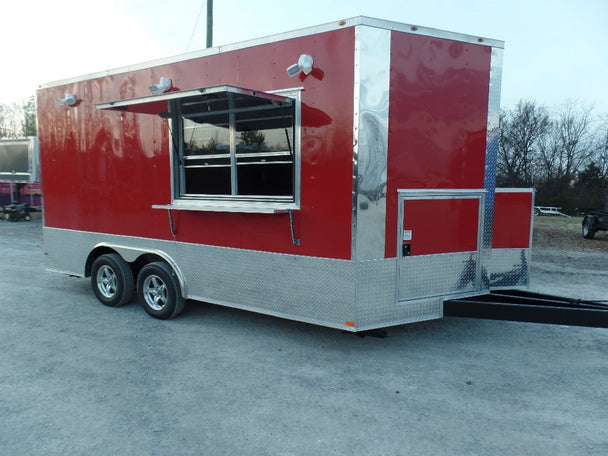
[[162, 86], [69, 100], [304, 65]]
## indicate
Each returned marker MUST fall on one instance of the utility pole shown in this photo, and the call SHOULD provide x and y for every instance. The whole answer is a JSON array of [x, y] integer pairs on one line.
[[209, 23]]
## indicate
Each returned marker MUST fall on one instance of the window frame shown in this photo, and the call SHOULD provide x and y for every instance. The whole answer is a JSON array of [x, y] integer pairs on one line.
[[165, 106]]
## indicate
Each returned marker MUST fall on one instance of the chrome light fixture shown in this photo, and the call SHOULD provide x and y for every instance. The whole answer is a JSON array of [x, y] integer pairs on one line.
[[304, 65], [69, 100], [162, 86]]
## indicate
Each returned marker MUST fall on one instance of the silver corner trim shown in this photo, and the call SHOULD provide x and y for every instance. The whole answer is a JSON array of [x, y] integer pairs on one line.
[[370, 142], [514, 190]]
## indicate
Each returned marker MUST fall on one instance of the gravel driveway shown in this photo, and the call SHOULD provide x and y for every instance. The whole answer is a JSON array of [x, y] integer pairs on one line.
[[80, 378]]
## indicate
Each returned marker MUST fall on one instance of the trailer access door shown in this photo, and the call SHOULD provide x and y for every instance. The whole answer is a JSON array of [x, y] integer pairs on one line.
[[439, 244]]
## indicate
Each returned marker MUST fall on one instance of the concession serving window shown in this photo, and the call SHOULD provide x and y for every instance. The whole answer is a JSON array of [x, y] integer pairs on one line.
[[232, 148]]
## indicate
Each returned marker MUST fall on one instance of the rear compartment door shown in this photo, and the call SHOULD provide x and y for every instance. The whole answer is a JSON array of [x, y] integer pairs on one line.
[[439, 243], [509, 265]]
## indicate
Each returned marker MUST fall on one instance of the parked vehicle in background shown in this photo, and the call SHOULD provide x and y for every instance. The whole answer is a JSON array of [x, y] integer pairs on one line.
[[594, 221], [19, 178], [549, 210]]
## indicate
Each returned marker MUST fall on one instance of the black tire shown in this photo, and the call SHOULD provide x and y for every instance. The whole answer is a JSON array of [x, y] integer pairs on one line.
[[159, 292], [112, 280], [589, 227]]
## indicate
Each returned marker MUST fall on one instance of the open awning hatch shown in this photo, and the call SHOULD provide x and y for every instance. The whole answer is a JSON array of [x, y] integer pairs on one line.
[[211, 101]]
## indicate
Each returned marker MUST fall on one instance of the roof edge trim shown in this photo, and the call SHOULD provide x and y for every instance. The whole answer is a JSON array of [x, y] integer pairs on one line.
[[328, 27]]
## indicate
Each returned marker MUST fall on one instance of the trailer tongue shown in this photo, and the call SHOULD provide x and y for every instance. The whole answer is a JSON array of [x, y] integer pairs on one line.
[[519, 305]]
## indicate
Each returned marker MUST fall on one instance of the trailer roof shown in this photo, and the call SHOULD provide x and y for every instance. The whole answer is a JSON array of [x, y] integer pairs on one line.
[[352, 22]]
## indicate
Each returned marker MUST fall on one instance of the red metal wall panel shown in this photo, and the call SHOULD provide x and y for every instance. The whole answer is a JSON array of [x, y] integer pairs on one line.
[[437, 119], [512, 220], [441, 225], [103, 171]]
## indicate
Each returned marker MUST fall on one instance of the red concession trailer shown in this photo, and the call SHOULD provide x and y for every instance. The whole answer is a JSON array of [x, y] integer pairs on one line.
[[342, 175]]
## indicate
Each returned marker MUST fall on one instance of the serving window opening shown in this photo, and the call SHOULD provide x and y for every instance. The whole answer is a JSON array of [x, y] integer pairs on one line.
[[235, 146], [232, 149]]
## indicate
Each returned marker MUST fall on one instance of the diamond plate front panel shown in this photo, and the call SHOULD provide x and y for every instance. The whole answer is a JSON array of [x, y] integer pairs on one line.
[[377, 298], [509, 268], [434, 275]]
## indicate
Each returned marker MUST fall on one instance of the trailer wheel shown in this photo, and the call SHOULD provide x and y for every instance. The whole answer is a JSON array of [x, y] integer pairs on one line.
[[588, 228], [158, 291], [112, 280]]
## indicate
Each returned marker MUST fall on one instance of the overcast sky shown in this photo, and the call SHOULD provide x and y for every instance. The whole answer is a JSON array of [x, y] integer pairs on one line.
[[555, 50]]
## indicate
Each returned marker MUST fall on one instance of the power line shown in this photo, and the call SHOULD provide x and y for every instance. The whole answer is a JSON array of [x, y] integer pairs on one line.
[[196, 24]]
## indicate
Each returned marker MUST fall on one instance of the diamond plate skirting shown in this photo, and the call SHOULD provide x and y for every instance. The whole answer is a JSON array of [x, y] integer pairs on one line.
[[509, 268], [322, 291], [428, 276]]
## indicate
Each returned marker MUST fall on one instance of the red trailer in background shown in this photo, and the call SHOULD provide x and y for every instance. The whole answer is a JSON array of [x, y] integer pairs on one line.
[[342, 175], [20, 189]]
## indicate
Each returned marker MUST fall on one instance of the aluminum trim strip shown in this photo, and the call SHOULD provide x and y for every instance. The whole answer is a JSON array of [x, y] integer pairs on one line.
[[323, 28], [370, 149], [356, 103], [514, 190], [428, 31], [492, 137], [249, 207], [440, 193]]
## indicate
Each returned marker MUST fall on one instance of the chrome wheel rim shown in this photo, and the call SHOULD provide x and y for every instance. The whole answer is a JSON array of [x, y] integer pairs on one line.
[[155, 292], [107, 282]]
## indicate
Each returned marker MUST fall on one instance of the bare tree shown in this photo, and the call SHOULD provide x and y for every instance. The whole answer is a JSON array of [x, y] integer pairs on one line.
[[601, 155], [560, 153], [568, 146], [28, 123], [520, 132], [11, 116]]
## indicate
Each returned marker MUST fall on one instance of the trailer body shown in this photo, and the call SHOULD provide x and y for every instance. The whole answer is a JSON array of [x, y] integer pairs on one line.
[[357, 194], [19, 160], [20, 173]]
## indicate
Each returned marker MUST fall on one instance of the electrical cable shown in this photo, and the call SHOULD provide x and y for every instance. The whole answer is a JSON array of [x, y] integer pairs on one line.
[[196, 25]]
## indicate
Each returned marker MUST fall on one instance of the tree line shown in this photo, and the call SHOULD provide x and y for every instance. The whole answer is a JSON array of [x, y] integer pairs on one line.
[[562, 153], [18, 119]]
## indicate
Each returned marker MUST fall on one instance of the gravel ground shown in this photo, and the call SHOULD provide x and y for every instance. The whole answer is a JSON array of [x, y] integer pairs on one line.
[[566, 264], [79, 378]]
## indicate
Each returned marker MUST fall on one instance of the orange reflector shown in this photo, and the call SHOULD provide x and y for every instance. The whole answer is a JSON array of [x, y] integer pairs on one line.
[[350, 323], [342, 23]]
